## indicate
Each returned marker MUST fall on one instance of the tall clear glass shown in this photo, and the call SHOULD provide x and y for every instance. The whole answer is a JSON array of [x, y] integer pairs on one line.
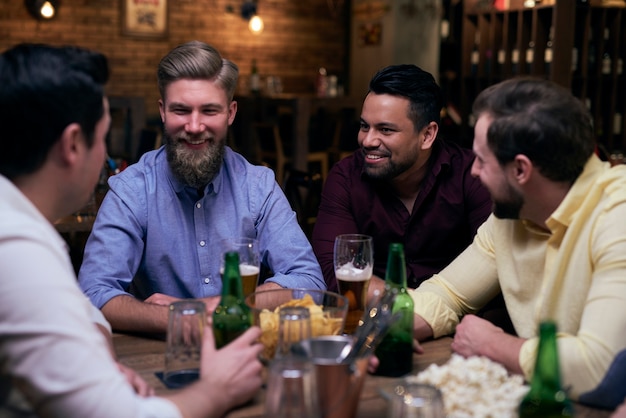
[[354, 261], [249, 261]]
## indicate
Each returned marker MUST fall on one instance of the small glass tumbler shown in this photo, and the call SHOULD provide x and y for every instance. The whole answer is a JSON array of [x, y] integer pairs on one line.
[[416, 400], [187, 320], [291, 389], [294, 326]]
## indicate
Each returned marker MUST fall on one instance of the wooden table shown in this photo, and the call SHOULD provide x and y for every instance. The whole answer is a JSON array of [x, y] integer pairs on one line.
[[146, 356]]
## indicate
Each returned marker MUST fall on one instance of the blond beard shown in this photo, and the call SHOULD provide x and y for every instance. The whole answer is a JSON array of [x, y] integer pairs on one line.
[[194, 168]]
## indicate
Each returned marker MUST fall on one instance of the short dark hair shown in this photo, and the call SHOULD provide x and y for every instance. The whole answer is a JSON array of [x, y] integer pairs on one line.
[[541, 120], [415, 84], [45, 89]]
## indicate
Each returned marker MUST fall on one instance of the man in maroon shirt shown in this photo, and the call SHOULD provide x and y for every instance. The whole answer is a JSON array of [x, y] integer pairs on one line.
[[404, 184]]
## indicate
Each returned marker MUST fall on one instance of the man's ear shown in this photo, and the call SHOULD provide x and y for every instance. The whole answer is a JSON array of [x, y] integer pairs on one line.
[[430, 134], [162, 110], [71, 144], [232, 111], [522, 168]]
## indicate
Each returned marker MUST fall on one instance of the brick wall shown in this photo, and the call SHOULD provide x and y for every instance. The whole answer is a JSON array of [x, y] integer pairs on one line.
[[299, 37]]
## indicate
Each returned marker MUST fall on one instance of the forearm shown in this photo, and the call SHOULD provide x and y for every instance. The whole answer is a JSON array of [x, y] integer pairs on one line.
[[505, 350], [198, 401], [421, 330], [125, 313]]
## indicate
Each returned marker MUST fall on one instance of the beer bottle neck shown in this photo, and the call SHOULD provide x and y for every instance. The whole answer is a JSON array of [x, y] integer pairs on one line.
[[231, 282], [546, 377], [396, 268]]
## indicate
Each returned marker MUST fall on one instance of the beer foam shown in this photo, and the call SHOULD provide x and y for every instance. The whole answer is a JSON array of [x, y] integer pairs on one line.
[[245, 270], [248, 270], [349, 273]]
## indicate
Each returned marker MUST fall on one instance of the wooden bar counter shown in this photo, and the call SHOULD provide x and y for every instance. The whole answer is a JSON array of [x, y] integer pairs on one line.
[[146, 356]]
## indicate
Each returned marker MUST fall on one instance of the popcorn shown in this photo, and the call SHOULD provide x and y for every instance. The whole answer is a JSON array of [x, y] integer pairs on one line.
[[475, 387]]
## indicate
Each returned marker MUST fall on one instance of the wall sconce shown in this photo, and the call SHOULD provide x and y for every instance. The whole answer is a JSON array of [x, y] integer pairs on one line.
[[42, 9], [248, 12]]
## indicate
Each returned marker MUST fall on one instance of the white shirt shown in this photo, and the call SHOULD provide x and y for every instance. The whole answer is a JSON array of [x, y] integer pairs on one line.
[[50, 350]]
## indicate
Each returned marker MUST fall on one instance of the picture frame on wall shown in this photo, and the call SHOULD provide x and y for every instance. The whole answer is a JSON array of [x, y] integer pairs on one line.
[[145, 18]]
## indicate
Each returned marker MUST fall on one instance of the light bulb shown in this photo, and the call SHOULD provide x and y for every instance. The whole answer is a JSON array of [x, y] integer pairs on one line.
[[256, 24], [47, 10]]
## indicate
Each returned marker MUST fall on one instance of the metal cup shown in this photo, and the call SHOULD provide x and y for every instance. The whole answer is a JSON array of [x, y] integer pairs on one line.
[[339, 381], [187, 320]]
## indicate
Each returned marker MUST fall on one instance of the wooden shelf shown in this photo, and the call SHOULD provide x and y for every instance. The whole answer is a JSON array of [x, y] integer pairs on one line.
[[581, 47]]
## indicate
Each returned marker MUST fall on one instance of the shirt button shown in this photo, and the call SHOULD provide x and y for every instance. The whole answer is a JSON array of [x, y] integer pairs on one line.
[[198, 205], [202, 243], [207, 280]]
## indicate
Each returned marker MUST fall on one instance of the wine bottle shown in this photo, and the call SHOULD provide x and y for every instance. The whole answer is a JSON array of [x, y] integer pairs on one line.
[[395, 351], [546, 398], [255, 79], [232, 316]]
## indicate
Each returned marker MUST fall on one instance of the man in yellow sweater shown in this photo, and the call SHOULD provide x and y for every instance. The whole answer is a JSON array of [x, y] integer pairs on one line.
[[555, 244]]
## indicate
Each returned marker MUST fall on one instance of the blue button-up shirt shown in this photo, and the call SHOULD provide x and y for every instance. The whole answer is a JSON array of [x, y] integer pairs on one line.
[[153, 234]]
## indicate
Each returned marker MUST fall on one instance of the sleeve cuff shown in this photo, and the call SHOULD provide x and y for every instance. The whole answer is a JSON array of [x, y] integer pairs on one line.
[[527, 356], [431, 308]]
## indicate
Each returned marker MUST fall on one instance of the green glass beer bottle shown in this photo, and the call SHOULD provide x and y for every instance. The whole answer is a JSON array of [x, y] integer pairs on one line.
[[546, 398], [232, 316], [395, 351]]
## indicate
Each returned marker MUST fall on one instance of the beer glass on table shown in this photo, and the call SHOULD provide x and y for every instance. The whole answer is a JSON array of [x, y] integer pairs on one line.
[[249, 261], [354, 261]]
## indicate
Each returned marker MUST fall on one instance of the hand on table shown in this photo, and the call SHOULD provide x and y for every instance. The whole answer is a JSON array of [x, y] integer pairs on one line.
[[472, 334], [161, 299], [142, 388], [165, 300], [268, 286], [478, 337]]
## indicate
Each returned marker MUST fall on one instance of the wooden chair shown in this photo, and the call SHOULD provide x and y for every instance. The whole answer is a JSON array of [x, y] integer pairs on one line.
[[274, 146], [271, 148], [304, 192], [344, 136]]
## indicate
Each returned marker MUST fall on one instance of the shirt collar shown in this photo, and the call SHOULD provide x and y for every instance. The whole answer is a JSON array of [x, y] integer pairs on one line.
[[579, 191]]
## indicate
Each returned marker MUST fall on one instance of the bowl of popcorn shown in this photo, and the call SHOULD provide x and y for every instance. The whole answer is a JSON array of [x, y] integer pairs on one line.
[[472, 387], [327, 311]]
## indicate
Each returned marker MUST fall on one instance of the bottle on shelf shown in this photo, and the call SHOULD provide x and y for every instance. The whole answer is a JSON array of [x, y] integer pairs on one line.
[[591, 50], [475, 55], [395, 351], [606, 56], [501, 60], [617, 125], [530, 57], [445, 29], [321, 86], [574, 60], [231, 316], [255, 79], [546, 397], [547, 54], [515, 60]]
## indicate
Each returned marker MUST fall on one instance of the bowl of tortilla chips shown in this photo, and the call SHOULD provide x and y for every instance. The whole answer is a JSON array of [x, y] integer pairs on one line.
[[327, 312]]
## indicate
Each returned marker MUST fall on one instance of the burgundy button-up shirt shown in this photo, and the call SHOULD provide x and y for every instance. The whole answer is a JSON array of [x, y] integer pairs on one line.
[[448, 210]]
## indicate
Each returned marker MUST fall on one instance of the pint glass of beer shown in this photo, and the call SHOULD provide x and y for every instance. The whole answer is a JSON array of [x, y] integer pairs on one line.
[[249, 261], [354, 260]]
